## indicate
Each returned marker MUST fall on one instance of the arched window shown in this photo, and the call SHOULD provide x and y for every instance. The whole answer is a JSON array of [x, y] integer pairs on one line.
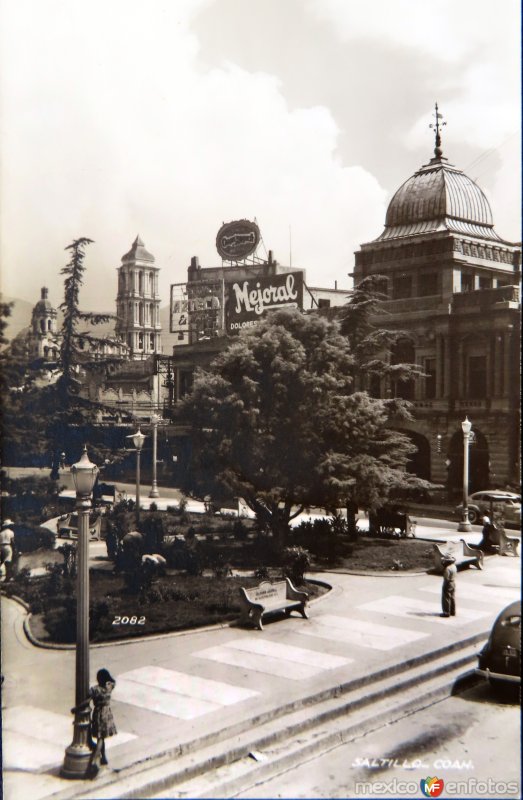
[[42, 325], [49, 323], [151, 339]]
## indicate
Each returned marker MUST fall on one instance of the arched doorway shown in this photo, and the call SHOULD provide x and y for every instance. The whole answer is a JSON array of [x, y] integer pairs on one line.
[[479, 471], [419, 462]]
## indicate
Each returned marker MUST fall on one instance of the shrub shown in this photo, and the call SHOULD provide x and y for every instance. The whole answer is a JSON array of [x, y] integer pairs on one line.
[[322, 537], [29, 539], [296, 560], [240, 530], [262, 573]]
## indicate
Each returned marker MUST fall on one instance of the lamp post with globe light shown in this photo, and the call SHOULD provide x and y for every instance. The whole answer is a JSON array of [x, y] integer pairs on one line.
[[78, 754], [155, 420], [464, 526], [138, 440]]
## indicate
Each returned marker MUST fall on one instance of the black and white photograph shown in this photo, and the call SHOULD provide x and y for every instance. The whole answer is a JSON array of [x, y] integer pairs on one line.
[[260, 351]]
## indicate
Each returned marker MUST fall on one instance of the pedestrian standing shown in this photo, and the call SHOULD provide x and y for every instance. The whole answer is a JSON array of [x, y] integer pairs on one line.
[[7, 537], [102, 721], [448, 595]]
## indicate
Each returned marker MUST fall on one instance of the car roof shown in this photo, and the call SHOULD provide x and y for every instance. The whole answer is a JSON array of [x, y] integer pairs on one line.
[[497, 495], [511, 610]]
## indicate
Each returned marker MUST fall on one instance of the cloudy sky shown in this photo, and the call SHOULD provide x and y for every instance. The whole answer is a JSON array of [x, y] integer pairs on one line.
[[168, 117]]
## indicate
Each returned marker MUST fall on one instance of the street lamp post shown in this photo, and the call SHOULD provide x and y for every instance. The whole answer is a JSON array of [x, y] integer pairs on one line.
[[138, 440], [78, 754], [155, 419], [465, 526]]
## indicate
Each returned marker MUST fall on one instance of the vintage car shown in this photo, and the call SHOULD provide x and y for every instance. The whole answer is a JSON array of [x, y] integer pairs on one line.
[[500, 658], [480, 503]]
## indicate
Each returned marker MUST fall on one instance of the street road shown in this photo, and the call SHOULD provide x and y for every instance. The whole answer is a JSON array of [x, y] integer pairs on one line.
[[463, 740]]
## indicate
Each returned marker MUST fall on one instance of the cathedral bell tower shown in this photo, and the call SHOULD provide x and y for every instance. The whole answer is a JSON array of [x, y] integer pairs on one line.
[[138, 302]]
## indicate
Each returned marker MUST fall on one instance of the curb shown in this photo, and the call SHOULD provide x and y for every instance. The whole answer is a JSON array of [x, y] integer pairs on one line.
[[333, 693], [36, 642]]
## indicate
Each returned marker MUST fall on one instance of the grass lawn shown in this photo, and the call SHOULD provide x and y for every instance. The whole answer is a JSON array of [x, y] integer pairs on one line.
[[180, 601], [371, 553], [174, 602]]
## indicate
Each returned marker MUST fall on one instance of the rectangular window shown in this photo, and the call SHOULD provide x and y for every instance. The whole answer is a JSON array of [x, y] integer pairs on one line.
[[430, 380], [477, 377], [324, 303], [401, 287], [485, 283], [428, 284]]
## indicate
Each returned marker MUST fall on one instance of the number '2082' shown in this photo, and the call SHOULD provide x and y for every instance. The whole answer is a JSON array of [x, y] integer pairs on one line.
[[118, 620]]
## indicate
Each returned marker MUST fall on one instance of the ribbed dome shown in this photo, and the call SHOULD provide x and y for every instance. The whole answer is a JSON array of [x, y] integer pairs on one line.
[[138, 252], [439, 197]]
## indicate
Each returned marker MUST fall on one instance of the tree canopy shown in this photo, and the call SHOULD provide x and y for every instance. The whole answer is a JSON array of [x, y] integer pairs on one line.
[[275, 420]]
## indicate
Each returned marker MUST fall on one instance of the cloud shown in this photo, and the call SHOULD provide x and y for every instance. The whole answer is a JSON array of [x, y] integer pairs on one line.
[[116, 128]]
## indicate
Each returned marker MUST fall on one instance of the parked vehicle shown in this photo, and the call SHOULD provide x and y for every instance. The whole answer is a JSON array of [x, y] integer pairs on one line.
[[480, 503], [500, 658]]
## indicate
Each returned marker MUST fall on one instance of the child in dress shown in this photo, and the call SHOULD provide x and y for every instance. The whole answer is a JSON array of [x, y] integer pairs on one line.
[[102, 722]]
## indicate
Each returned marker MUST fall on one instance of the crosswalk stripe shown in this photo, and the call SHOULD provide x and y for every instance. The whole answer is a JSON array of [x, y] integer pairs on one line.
[[161, 701], [286, 652], [485, 594], [271, 665], [169, 680], [414, 608], [44, 728], [360, 632]]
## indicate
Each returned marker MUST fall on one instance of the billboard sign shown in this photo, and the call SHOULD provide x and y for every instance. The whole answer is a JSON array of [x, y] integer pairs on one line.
[[237, 240], [197, 311], [249, 299]]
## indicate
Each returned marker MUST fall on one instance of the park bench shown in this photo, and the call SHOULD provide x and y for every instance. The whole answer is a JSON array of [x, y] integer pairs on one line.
[[464, 555], [498, 542], [68, 527], [268, 598]]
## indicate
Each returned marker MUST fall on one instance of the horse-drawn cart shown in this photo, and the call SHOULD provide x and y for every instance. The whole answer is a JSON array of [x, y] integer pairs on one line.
[[391, 521]]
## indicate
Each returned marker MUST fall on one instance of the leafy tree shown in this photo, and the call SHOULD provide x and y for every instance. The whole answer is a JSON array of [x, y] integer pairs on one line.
[[40, 423], [372, 345], [375, 348], [275, 421], [69, 351]]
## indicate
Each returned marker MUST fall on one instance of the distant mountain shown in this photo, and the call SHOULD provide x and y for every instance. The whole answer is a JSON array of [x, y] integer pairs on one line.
[[20, 316]]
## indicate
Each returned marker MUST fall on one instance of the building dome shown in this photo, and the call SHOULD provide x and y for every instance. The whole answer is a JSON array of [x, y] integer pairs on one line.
[[138, 252], [439, 197], [43, 306]]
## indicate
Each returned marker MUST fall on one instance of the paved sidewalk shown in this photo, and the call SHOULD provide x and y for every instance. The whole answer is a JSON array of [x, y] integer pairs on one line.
[[176, 688]]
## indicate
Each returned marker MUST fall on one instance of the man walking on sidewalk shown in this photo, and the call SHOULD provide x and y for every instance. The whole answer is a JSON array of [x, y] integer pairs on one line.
[[448, 595]]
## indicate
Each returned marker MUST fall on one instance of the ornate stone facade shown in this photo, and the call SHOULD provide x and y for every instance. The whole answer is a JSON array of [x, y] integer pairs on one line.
[[452, 285], [138, 302]]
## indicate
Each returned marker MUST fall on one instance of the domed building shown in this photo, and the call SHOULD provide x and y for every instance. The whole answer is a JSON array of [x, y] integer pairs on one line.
[[452, 285], [44, 339]]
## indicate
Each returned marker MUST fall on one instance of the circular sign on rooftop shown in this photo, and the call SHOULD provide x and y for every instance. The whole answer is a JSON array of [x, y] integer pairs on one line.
[[237, 240]]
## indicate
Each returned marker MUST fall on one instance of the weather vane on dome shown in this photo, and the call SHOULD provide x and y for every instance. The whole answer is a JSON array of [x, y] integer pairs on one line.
[[437, 150]]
